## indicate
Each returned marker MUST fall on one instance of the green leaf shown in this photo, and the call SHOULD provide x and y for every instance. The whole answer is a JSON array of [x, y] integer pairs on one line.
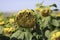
[[45, 22], [47, 33], [16, 34], [55, 23], [21, 36], [1, 13], [53, 5], [1, 29], [56, 9], [28, 36]]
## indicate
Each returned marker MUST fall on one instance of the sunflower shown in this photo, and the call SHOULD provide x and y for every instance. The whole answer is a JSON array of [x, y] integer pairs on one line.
[[8, 30], [55, 35], [26, 18], [44, 12], [11, 20], [2, 19], [2, 22]]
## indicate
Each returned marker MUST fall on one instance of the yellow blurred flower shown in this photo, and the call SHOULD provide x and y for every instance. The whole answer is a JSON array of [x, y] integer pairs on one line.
[[55, 36], [9, 30], [12, 29], [2, 22], [1, 19], [6, 30], [11, 20]]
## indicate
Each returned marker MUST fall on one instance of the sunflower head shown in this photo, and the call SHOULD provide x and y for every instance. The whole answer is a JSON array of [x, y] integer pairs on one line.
[[2, 19], [44, 12], [9, 30], [11, 20], [26, 18], [55, 35], [2, 22]]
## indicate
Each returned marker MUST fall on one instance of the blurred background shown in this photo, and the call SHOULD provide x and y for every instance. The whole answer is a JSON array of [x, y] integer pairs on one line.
[[15, 5]]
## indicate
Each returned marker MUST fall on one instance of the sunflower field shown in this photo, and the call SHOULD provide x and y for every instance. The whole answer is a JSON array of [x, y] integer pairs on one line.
[[41, 23]]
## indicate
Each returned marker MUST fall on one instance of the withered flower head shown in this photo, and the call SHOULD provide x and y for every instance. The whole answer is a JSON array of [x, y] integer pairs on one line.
[[26, 18]]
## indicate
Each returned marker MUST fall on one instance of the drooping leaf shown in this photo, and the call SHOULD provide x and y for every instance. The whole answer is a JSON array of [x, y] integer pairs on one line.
[[21, 36], [28, 36], [45, 22], [16, 34], [47, 32], [53, 5], [1, 29]]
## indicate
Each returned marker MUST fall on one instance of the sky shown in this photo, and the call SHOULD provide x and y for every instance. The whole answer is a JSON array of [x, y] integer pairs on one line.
[[15, 5]]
